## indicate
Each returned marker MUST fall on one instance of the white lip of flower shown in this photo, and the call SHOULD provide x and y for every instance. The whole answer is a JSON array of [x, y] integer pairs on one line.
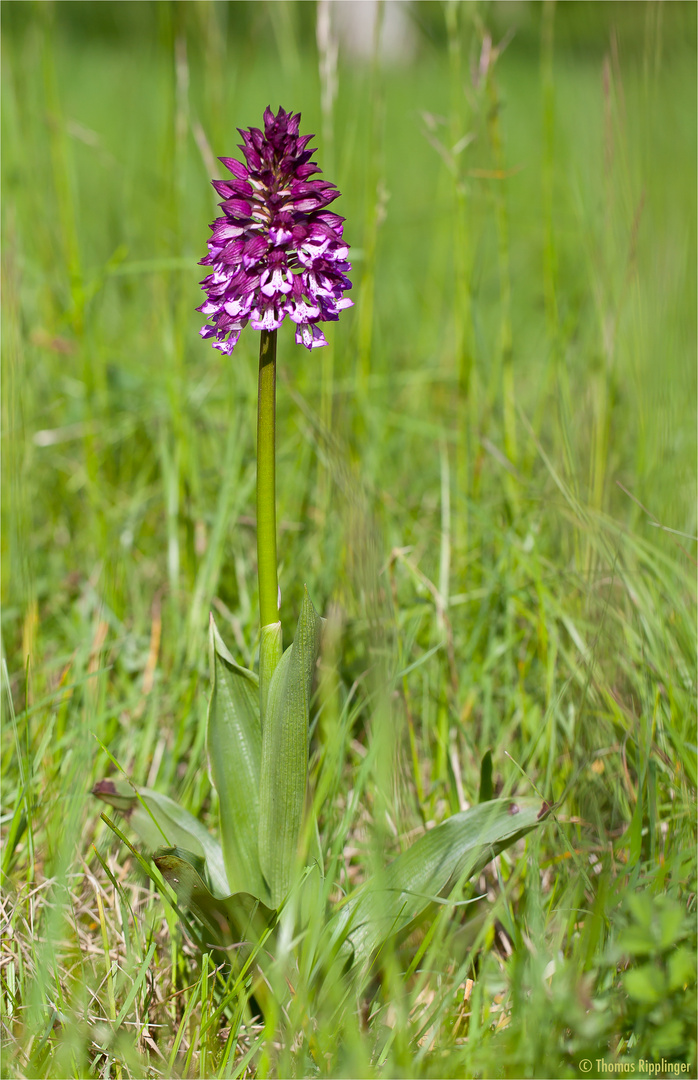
[[317, 286], [306, 334], [311, 336], [303, 312], [267, 319], [312, 249], [279, 282]]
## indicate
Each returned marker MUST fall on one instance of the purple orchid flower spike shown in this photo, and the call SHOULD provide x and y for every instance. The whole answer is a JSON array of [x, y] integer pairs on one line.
[[278, 250]]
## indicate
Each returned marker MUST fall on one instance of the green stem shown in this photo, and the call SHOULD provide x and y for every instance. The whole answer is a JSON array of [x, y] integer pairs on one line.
[[266, 481]]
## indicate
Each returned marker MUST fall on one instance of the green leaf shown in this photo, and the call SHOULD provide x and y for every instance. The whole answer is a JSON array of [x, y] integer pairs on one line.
[[682, 969], [234, 746], [454, 851], [641, 908], [670, 924], [633, 941], [285, 754], [486, 790], [228, 919], [157, 820], [645, 984], [669, 1037]]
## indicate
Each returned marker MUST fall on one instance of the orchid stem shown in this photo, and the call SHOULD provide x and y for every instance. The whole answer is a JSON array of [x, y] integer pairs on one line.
[[266, 481]]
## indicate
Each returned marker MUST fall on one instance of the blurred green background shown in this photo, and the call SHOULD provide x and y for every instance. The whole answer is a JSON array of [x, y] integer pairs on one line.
[[581, 256], [520, 197]]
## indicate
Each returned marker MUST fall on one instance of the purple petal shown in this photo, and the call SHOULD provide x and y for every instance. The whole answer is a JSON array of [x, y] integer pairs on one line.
[[236, 167]]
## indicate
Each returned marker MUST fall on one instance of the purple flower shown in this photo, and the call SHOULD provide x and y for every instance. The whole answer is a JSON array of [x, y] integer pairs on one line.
[[278, 250]]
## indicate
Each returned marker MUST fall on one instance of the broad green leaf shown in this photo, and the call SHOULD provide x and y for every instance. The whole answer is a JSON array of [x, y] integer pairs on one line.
[[285, 755], [234, 746], [229, 919], [454, 851], [157, 820]]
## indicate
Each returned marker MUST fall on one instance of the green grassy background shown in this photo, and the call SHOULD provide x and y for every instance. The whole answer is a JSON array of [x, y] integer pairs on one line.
[[450, 469]]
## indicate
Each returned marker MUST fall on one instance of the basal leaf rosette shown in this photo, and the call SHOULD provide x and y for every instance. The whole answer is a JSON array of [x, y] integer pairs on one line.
[[277, 250]]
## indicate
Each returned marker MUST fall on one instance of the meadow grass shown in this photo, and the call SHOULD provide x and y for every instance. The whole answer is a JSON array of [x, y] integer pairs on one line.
[[487, 481]]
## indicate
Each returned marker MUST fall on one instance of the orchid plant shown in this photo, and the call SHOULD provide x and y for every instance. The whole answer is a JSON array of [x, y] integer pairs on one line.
[[277, 250]]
